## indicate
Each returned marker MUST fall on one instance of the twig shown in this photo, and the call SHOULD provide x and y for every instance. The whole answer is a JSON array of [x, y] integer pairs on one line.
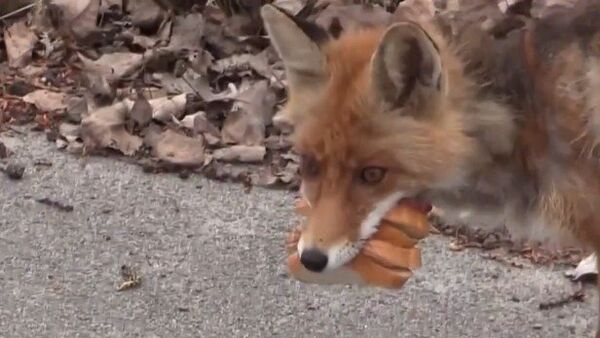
[[576, 296], [17, 11], [58, 205]]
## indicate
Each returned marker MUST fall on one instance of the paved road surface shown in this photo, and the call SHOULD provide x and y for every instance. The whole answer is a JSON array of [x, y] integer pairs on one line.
[[212, 259]]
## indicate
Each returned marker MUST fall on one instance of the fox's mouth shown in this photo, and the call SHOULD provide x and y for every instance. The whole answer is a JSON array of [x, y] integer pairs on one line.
[[346, 251], [417, 203]]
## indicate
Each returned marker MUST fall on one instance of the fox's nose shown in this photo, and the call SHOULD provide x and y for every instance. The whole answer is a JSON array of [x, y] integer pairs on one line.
[[313, 260]]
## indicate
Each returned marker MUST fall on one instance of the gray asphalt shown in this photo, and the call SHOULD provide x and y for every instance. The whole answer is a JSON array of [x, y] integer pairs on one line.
[[211, 258]]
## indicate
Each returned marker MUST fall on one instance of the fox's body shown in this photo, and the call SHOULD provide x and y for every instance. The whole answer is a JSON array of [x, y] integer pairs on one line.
[[495, 131]]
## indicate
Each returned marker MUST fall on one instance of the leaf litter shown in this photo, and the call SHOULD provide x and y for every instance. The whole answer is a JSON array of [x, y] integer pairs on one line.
[[177, 84]]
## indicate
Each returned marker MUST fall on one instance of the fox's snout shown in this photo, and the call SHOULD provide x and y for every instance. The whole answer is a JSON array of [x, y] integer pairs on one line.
[[314, 260], [330, 237]]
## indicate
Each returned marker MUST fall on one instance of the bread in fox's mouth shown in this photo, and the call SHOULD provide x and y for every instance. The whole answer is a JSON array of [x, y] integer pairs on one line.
[[386, 259]]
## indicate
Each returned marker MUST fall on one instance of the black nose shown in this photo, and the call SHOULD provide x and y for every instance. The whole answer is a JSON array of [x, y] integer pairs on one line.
[[313, 260]]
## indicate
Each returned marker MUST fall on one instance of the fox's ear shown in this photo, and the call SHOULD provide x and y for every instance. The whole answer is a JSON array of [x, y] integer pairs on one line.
[[407, 69], [296, 43]]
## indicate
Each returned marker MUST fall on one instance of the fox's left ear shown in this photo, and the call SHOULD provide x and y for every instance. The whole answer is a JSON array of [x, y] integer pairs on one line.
[[407, 69]]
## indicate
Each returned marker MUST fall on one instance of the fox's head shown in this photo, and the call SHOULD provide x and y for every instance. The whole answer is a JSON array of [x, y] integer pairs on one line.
[[374, 121]]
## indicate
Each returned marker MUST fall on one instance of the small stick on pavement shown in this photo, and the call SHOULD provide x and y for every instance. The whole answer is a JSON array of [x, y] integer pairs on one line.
[[60, 206], [576, 296]]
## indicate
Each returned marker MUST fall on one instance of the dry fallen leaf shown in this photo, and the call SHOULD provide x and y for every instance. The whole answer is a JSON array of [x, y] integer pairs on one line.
[[247, 121], [243, 63], [586, 267], [289, 172], [263, 178], [113, 66], [187, 33], [79, 17], [290, 6], [415, 8], [456, 246], [99, 92], [69, 131], [19, 40], [166, 108], [240, 153], [190, 82], [146, 14], [46, 100], [200, 124], [141, 112], [107, 4], [200, 61], [104, 128], [178, 149], [76, 109]]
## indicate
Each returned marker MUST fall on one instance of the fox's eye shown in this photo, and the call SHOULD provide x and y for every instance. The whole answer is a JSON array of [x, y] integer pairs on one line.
[[372, 175], [308, 166]]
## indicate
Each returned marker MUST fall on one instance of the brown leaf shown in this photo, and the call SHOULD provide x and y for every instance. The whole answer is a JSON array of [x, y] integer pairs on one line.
[[211, 139], [143, 41], [77, 107], [178, 149], [113, 66], [415, 8], [79, 17], [105, 128], [166, 108], [69, 131], [100, 92], [146, 14], [542, 7], [19, 40], [200, 124], [187, 33], [293, 7], [200, 61], [31, 71], [289, 173], [243, 62], [277, 142], [586, 267], [107, 4], [141, 112], [263, 178], [456, 246], [240, 153], [46, 100], [189, 82], [247, 121]]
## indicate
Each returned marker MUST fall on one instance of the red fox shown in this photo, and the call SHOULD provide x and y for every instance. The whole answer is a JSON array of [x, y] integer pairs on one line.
[[501, 131]]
